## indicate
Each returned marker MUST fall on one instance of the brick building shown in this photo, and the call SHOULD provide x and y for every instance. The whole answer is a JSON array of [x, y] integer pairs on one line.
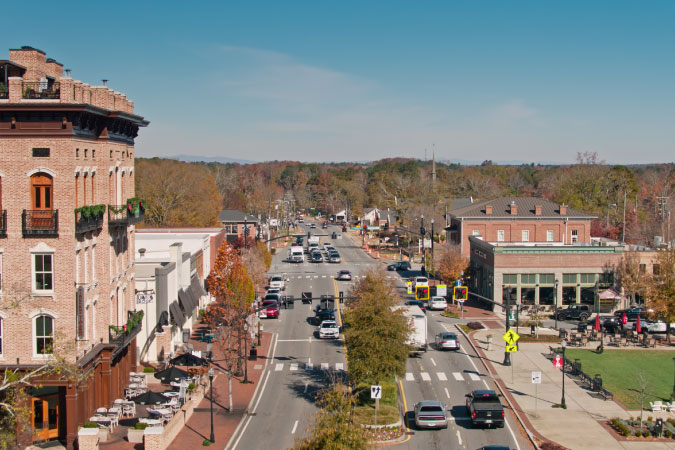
[[67, 220], [235, 222], [518, 219]]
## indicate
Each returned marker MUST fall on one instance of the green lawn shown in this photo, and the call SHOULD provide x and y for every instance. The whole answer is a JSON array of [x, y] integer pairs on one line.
[[620, 370], [365, 409]]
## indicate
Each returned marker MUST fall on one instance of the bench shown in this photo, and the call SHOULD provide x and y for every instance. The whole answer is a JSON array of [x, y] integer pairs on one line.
[[606, 394]]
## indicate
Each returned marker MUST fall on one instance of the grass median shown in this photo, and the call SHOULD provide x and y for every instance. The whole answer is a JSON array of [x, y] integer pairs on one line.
[[364, 412], [621, 369]]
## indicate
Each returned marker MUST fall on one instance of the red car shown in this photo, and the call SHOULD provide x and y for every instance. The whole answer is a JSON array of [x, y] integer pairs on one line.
[[270, 309]]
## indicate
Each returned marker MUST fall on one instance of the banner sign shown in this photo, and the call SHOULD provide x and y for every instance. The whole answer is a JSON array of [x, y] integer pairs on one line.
[[142, 298], [79, 309]]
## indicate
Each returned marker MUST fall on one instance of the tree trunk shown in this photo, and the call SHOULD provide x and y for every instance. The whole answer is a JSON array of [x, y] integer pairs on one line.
[[229, 390]]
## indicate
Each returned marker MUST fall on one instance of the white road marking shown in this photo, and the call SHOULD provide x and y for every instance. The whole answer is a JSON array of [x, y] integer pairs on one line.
[[316, 276], [308, 277], [459, 437], [441, 376], [425, 376], [474, 377], [295, 426], [433, 362], [295, 340], [324, 366], [306, 386], [447, 393], [323, 276], [309, 366], [278, 367], [409, 376], [458, 376], [512, 435], [294, 367], [339, 366]]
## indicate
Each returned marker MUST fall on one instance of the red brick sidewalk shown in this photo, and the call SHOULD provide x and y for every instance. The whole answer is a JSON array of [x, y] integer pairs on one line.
[[198, 427]]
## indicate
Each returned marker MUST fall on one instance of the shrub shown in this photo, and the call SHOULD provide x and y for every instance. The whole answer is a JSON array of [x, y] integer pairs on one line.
[[646, 433], [475, 325], [671, 421], [206, 443], [273, 251], [141, 426], [148, 369], [650, 419], [638, 433], [667, 433], [191, 387], [90, 425]]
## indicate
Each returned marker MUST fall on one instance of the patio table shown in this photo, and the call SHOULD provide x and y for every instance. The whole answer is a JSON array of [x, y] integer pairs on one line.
[[105, 421]]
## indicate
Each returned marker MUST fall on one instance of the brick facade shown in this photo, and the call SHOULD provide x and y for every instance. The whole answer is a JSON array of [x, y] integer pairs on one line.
[[87, 158]]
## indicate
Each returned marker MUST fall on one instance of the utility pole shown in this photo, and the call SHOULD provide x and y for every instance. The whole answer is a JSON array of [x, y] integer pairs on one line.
[[623, 229]]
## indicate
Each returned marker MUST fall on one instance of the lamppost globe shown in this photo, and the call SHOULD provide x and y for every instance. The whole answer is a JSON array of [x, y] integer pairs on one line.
[[211, 373]]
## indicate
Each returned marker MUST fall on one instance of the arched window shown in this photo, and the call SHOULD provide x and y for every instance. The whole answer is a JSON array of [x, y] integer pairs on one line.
[[44, 335], [1, 335], [42, 192]]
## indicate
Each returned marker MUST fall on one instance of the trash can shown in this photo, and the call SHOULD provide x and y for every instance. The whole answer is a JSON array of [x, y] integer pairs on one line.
[[597, 382], [577, 366], [562, 333], [186, 336], [253, 354], [533, 329]]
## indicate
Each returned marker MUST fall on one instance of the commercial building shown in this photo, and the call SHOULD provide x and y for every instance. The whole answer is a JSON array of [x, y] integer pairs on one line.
[[171, 267], [235, 223], [517, 220], [67, 223]]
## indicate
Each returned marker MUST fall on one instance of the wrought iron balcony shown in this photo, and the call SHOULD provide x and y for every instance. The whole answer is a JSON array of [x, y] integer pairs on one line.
[[84, 224], [4, 94], [3, 222], [136, 216], [123, 335], [40, 222], [117, 215], [41, 90]]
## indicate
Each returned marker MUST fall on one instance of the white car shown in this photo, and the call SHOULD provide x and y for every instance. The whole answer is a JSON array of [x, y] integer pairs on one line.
[[273, 291], [329, 330], [421, 281], [277, 281], [655, 327], [437, 303]]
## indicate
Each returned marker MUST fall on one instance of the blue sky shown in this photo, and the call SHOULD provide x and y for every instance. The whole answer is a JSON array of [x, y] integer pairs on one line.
[[363, 80]]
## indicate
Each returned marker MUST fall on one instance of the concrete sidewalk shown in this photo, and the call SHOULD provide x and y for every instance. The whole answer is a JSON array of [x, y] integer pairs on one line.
[[577, 427]]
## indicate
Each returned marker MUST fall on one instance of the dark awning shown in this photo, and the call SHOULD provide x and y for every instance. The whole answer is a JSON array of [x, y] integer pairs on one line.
[[177, 314], [197, 286], [186, 300]]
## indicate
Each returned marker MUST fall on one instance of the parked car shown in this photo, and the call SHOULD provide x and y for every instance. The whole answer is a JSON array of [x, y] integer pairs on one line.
[[447, 341], [485, 408], [270, 309], [437, 303], [633, 313], [271, 296], [399, 266], [329, 330], [312, 225], [273, 291], [419, 303], [430, 414], [344, 275], [653, 327], [575, 312], [611, 324]]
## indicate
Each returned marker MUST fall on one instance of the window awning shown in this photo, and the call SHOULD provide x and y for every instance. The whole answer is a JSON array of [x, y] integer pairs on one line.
[[186, 300], [197, 287], [176, 314], [191, 298]]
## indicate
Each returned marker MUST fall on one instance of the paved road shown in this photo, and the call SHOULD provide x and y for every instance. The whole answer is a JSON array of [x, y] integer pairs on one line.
[[302, 364]]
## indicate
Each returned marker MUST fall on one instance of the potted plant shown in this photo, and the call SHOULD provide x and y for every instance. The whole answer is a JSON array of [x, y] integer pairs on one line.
[[135, 433], [135, 206]]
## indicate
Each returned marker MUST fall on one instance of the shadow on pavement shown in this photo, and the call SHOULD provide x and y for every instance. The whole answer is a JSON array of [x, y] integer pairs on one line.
[[308, 383]]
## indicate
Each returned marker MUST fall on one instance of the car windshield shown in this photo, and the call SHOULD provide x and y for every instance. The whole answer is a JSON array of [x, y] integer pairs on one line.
[[431, 409], [329, 325], [269, 303], [277, 278], [449, 336]]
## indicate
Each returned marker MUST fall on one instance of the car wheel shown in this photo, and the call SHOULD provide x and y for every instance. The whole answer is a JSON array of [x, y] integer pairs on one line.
[[501, 425], [561, 317], [584, 317]]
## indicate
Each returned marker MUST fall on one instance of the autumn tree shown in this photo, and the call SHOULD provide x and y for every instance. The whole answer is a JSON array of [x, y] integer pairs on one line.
[[629, 276], [177, 193], [257, 260], [449, 262], [376, 335], [334, 427], [661, 288]]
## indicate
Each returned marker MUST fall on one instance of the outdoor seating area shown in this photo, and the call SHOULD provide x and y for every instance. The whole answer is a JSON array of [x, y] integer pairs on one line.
[[659, 406], [110, 417]]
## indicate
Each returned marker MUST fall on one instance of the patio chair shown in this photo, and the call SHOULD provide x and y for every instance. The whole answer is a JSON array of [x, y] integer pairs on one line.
[[101, 412], [624, 342], [650, 343], [114, 419], [656, 406], [583, 342]]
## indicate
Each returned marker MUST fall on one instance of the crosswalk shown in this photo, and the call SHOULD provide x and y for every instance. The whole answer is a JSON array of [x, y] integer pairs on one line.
[[315, 277], [458, 376], [295, 367]]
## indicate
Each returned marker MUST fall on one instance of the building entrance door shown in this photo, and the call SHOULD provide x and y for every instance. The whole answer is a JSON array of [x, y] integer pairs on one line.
[[45, 417]]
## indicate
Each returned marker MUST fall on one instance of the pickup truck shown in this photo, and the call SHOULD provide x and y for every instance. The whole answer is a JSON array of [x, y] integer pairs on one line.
[[277, 281], [485, 408]]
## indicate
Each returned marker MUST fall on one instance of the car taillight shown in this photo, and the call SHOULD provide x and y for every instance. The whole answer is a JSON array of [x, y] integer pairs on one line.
[[502, 414], [473, 415]]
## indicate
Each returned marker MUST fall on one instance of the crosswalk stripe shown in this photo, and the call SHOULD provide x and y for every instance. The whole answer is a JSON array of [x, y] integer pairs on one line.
[[278, 367], [339, 366], [458, 376], [441, 376], [294, 367], [409, 376], [309, 366], [474, 377], [425, 376], [324, 366], [308, 276], [316, 276], [323, 276]]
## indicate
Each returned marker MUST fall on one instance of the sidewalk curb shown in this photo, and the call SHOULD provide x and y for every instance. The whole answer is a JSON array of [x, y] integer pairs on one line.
[[253, 397], [507, 395]]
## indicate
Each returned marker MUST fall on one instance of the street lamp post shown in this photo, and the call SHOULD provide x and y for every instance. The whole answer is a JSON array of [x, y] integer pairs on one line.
[[555, 296], [672, 396], [212, 438], [432, 247], [562, 400], [507, 355]]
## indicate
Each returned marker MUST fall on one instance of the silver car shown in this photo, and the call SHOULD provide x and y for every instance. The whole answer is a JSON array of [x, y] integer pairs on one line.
[[430, 414], [447, 341]]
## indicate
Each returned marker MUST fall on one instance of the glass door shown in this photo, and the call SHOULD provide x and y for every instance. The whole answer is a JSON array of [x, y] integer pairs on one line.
[[45, 418]]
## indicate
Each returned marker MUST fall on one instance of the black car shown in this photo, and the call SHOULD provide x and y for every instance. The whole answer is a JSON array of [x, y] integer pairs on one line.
[[419, 303], [399, 266], [323, 314], [633, 313], [611, 324], [575, 312]]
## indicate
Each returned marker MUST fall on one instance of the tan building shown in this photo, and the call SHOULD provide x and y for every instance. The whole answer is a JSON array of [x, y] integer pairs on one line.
[[67, 220], [518, 220]]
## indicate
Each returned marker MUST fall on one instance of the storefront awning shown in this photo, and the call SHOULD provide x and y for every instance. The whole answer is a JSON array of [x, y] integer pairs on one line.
[[197, 287], [176, 314], [186, 301]]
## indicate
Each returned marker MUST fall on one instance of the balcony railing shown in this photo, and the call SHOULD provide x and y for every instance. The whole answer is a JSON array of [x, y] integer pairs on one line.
[[3, 222], [41, 90], [84, 224], [40, 222], [4, 94], [136, 216], [123, 335], [117, 215]]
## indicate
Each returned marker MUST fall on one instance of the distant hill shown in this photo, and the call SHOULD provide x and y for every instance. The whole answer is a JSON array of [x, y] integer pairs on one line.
[[218, 159]]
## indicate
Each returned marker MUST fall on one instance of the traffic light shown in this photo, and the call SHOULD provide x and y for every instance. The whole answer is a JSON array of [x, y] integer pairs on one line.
[[421, 293], [460, 293]]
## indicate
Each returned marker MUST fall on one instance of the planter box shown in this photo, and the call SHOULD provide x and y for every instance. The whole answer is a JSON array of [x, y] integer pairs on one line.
[[103, 434], [135, 436]]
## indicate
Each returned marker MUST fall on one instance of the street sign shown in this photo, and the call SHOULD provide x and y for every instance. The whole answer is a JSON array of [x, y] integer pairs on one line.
[[511, 337], [557, 362], [536, 377], [441, 290], [511, 348], [409, 286], [375, 391]]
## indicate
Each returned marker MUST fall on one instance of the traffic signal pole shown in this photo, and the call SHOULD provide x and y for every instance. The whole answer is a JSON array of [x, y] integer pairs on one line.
[[507, 355]]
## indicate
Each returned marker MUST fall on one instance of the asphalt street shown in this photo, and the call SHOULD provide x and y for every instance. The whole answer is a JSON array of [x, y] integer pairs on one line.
[[301, 365]]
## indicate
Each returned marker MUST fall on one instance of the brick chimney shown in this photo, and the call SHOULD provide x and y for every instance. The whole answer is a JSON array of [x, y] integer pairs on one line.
[[537, 210], [513, 208], [488, 210], [563, 210]]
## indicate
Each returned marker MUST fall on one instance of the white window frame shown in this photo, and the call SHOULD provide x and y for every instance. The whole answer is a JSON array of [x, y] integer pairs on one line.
[[85, 277], [575, 236], [500, 235], [475, 233], [549, 235], [34, 316], [0, 272], [93, 263], [525, 236], [2, 330], [41, 249]]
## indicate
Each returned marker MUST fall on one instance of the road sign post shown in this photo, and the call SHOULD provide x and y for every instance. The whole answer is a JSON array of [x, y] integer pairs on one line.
[[536, 380], [376, 393]]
